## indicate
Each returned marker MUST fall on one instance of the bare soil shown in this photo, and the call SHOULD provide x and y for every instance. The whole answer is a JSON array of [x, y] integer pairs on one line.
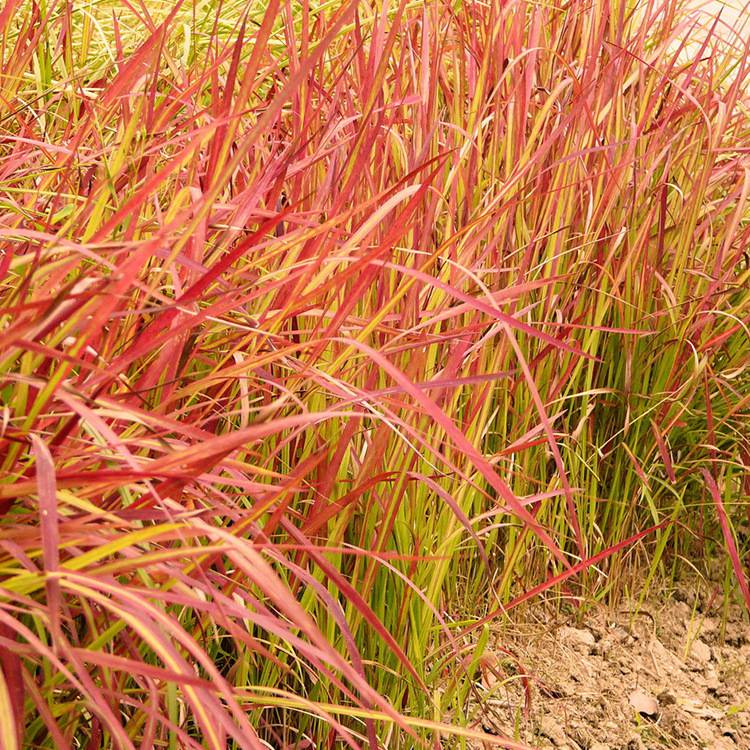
[[665, 675]]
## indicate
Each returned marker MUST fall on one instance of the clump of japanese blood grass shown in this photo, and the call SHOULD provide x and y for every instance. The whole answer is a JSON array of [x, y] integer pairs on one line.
[[324, 324]]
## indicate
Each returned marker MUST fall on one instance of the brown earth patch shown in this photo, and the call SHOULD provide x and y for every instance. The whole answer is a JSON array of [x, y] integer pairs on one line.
[[665, 675]]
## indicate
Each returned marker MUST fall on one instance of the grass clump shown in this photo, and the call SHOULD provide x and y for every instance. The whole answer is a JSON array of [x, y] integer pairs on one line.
[[323, 325]]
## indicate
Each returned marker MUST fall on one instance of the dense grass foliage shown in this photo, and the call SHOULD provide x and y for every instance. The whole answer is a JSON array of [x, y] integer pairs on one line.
[[331, 332]]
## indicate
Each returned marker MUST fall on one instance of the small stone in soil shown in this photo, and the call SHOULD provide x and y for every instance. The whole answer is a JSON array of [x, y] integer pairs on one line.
[[577, 637], [644, 703]]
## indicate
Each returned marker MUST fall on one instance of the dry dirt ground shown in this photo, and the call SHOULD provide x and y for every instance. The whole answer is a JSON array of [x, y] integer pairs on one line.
[[667, 675]]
